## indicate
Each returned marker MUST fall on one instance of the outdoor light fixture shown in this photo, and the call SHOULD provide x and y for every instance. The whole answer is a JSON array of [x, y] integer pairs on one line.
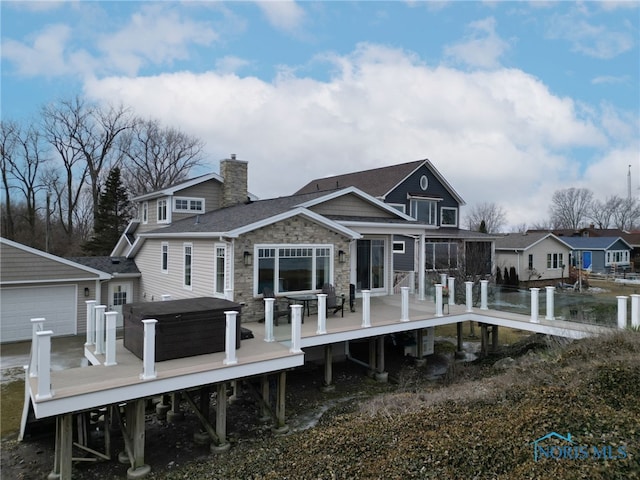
[[247, 258], [86, 291], [341, 256]]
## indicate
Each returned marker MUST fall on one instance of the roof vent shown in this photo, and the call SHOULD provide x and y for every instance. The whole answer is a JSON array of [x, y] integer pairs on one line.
[[115, 261]]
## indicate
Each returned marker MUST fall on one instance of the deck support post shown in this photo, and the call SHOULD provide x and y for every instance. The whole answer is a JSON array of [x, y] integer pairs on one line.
[[469, 295], [221, 420], [328, 385], [366, 308], [484, 289], [99, 332], [149, 349], [163, 407], [459, 342], [622, 311], [420, 360], [484, 339], [281, 425], [372, 357], [494, 338], [535, 306], [91, 322], [266, 394], [201, 437], [110, 320], [404, 310], [550, 299], [322, 314], [381, 375], [175, 414], [635, 310], [136, 432], [439, 300], [230, 338], [268, 319], [63, 456], [451, 284]]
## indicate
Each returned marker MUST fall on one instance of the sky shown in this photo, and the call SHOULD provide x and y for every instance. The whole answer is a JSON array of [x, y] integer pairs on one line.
[[510, 101]]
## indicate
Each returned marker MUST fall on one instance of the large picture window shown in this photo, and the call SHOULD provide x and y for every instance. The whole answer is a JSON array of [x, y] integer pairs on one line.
[[424, 210], [441, 255], [618, 257], [293, 268]]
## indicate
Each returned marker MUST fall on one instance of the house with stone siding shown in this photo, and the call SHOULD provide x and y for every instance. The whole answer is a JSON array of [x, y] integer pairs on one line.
[[233, 246]]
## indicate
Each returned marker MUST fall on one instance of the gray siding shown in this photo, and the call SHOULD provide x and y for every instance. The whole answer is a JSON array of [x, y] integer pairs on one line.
[[350, 205]]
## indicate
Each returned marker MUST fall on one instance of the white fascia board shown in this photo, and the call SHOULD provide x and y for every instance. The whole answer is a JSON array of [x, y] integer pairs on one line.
[[387, 228], [60, 282], [365, 196], [621, 239], [146, 388], [101, 275], [446, 184], [338, 227]]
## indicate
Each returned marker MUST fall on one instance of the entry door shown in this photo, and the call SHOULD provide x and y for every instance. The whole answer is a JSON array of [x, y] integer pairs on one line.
[[586, 260], [119, 294], [370, 273]]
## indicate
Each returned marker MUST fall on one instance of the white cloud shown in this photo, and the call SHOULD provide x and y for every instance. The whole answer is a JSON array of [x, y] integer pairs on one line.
[[231, 64], [284, 15], [482, 48], [610, 79], [498, 136], [44, 56]]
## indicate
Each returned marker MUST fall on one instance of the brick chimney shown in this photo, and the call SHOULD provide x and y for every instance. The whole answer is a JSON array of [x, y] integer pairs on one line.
[[234, 174]]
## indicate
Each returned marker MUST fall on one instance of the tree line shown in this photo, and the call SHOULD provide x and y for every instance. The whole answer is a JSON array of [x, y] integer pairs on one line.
[[57, 169]]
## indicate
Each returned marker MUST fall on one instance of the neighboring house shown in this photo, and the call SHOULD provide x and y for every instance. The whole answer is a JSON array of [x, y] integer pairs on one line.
[[292, 245], [603, 255], [419, 190], [36, 284], [534, 255]]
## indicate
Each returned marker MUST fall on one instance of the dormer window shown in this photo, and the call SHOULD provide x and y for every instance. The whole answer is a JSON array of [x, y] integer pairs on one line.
[[162, 211], [449, 217], [424, 210], [145, 212], [188, 205]]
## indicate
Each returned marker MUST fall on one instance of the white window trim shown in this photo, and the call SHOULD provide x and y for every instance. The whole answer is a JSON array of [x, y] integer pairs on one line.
[[162, 247], [168, 209], [610, 256], [277, 246], [145, 213], [186, 246], [559, 260], [188, 209], [411, 198], [225, 280], [442, 209], [400, 250]]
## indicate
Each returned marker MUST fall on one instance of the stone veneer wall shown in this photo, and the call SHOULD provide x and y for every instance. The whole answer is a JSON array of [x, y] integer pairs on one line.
[[296, 230], [234, 174]]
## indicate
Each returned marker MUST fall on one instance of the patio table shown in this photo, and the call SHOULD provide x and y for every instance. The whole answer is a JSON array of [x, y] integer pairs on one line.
[[305, 300]]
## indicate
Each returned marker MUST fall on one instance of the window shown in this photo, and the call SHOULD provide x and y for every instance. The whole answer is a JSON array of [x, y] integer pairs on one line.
[[220, 269], [398, 247], [165, 257], [423, 210], [554, 260], [162, 211], [145, 212], [119, 296], [188, 205], [449, 216], [441, 255], [293, 268], [424, 182], [188, 250], [618, 257], [398, 206], [530, 262]]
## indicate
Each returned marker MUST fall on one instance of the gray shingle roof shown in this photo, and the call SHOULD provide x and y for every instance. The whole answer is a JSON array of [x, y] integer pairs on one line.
[[120, 265], [520, 241]]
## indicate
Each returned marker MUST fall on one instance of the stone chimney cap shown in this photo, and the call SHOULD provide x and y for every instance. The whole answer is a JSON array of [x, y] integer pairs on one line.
[[233, 156]]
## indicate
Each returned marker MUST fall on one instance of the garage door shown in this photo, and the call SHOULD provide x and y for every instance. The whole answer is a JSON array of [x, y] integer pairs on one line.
[[57, 304]]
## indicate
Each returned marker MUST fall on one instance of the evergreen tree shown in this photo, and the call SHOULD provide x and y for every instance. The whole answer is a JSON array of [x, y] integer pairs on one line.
[[505, 277], [513, 277], [498, 276], [483, 227], [113, 215]]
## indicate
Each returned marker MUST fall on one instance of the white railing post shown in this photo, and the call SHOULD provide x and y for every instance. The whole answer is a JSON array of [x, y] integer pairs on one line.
[[484, 288], [230, 338], [268, 319], [412, 282], [149, 349], [443, 279], [110, 320], [366, 308], [635, 310], [228, 294], [404, 295], [452, 291], [296, 323], [535, 306], [37, 325], [550, 298], [622, 311], [322, 314], [44, 364], [439, 300], [165, 297], [91, 322], [99, 350], [469, 295]]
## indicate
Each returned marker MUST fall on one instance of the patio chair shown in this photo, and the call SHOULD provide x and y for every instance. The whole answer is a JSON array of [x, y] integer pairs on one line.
[[334, 303], [280, 309]]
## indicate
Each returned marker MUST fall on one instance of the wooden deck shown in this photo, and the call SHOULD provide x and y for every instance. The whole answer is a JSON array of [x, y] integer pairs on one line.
[[84, 388]]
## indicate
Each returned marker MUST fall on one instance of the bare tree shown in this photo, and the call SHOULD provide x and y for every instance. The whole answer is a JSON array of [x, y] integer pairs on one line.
[[157, 156], [627, 214], [601, 213], [8, 141], [569, 207], [520, 228], [493, 216]]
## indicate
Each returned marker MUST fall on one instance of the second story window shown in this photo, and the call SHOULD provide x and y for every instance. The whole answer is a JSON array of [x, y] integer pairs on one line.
[[423, 210], [187, 265], [145, 212], [449, 217], [162, 211], [188, 205]]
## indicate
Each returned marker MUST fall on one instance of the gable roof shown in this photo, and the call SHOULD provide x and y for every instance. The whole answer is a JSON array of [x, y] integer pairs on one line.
[[525, 241], [111, 265], [594, 243], [378, 182]]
